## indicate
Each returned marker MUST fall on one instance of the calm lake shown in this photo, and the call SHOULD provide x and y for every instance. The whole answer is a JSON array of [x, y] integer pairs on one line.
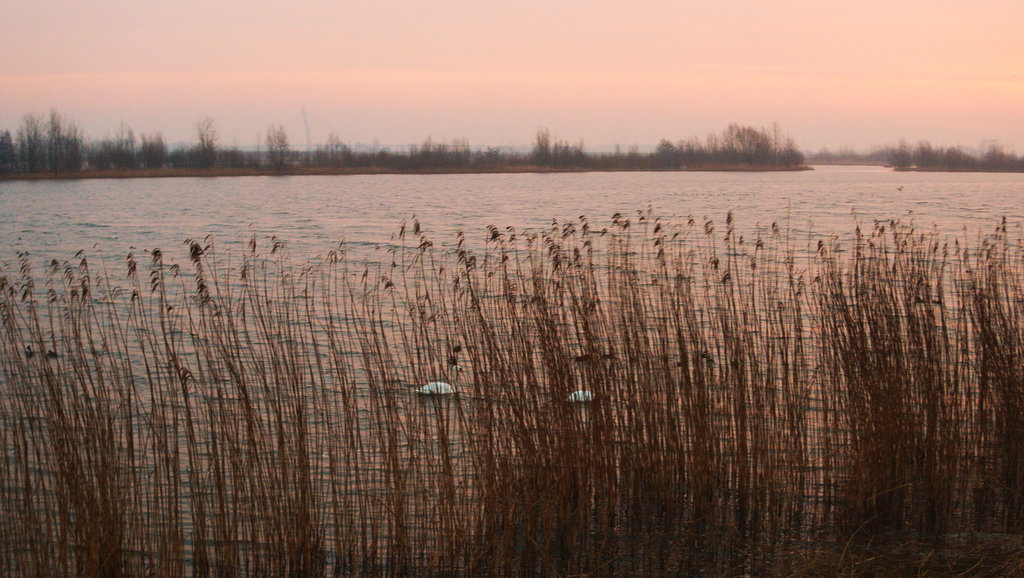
[[274, 424], [109, 218]]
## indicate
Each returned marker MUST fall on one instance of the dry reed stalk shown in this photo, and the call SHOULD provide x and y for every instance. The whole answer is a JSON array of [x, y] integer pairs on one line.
[[259, 417]]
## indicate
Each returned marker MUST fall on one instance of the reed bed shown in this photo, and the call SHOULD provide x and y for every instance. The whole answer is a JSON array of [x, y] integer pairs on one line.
[[758, 405]]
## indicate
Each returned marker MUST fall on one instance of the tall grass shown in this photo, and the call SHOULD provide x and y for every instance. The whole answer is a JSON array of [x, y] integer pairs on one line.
[[757, 403]]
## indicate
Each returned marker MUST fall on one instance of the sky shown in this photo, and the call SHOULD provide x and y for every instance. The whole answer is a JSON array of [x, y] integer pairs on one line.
[[857, 74]]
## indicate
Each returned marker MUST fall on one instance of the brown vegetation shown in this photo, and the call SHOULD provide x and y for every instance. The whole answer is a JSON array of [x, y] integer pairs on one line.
[[757, 408]]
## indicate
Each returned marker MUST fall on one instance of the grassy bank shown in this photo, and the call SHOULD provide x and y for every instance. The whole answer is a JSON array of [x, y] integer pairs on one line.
[[758, 406]]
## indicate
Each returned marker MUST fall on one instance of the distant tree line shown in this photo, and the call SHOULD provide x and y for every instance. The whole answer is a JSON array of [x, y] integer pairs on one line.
[[924, 156], [55, 144], [42, 144], [847, 156], [736, 147]]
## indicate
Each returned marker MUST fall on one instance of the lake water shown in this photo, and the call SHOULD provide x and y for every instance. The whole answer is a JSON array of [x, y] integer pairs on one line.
[[387, 462], [55, 219]]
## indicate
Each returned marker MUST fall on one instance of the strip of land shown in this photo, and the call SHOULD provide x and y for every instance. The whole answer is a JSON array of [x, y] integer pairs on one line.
[[55, 148], [341, 171]]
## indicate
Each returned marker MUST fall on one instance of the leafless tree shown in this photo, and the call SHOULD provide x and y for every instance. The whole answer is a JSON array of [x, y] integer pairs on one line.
[[333, 154], [153, 152], [8, 154], [667, 155], [277, 147], [542, 147], [63, 143], [114, 152], [32, 143], [206, 149]]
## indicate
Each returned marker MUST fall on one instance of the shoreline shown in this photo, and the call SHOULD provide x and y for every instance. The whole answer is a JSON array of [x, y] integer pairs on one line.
[[354, 171], [956, 170]]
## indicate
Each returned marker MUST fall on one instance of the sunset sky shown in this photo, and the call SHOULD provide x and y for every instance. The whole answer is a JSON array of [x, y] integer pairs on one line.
[[853, 73]]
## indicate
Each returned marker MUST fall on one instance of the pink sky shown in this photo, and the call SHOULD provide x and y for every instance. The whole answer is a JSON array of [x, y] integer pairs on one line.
[[860, 73]]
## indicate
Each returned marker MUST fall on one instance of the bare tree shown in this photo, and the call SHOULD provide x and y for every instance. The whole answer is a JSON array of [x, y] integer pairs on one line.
[[277, 147], [666, 156], [63, 144], [206, 149], [8, 154], [333, 154], [54, 138], [126, 152], [32, 144], [542, 147], [153, 152], [114, 152]]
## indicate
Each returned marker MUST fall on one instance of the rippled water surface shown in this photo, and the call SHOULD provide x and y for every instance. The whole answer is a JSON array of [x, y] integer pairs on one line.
[[325, 381], [111, 217]]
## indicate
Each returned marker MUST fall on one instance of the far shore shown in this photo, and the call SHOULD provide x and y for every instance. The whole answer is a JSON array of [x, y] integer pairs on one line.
[[952, 170], [341, 171]]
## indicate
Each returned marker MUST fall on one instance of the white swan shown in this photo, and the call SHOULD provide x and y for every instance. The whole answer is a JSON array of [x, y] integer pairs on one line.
[[581, 395], [440, 387]]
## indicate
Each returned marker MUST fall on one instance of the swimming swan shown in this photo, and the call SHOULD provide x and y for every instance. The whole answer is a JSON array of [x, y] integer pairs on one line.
[[581, 395], [440, 387]]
